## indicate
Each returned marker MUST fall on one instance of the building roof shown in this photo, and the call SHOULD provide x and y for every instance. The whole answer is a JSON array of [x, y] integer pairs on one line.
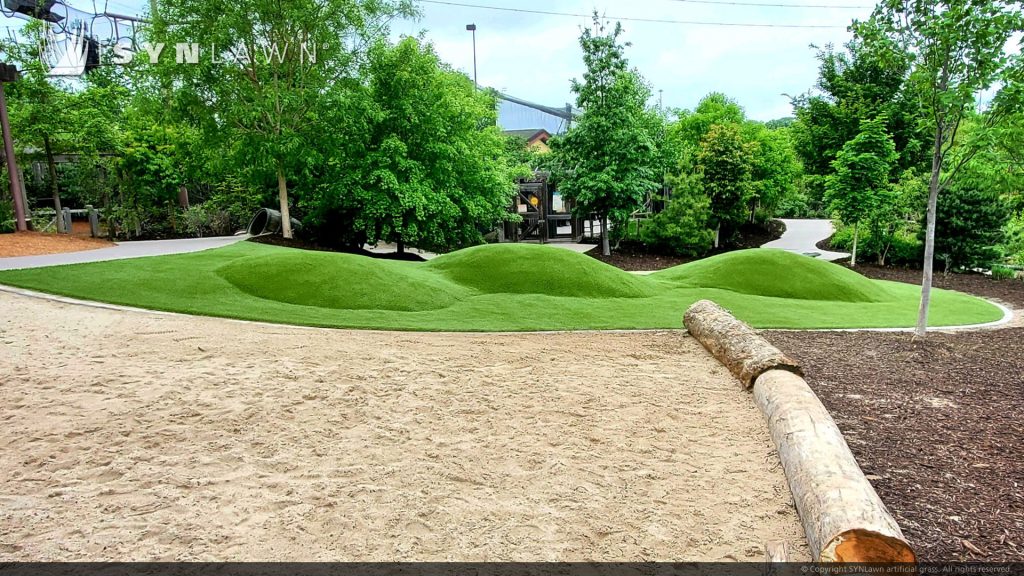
[[530, 134]]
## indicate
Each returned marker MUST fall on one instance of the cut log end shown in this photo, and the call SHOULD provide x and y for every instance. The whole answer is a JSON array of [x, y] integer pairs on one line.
[[866, 546]]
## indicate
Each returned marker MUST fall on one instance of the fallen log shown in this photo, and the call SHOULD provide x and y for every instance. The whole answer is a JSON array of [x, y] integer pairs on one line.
[[744, 352], [843, 517]]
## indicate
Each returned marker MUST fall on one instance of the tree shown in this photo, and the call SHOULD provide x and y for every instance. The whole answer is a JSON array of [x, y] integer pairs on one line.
[[859, 187], [970, 218], [434, 170], [49, 117], [724, 162], [959, 49], [272, 72], [682, 227], [606, 159]]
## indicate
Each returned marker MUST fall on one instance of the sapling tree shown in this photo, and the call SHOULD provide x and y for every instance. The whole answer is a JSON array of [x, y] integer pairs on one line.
[[960, 49], [859, 186], [608, 160]]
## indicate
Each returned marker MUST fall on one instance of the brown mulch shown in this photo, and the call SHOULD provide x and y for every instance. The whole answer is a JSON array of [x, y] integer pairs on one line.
[[633, 256], [302, 244], [39, 243], [935, 423]]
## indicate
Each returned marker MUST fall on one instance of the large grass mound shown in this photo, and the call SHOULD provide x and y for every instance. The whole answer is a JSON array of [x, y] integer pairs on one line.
[[779, 274], [496, 288], [342, 281], [536, 269]]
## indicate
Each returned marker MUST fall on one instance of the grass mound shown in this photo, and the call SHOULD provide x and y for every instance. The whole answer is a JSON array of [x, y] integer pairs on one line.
[[778, 274], [341, 281], [536, 269]]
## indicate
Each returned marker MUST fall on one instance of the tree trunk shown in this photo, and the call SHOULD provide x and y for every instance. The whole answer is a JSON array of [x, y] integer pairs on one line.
[[400, 247], [183, 197], [282, 192], [853, 257], [735, 344], [929, 238], [606, 248], [52, 166], [843, 518]]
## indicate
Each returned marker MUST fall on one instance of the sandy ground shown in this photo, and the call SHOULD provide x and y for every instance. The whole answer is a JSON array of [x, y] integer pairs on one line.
[[37, 243], [133, 436]]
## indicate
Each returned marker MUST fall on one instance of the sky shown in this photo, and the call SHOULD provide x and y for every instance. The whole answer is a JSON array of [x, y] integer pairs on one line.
[[535, 56]]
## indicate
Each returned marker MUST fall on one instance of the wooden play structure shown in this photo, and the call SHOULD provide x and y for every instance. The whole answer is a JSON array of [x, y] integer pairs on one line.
[[546, 216]]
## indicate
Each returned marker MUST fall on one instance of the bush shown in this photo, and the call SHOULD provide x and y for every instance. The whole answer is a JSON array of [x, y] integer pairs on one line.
[[902, 248], [7, 223], [1003, 272], [682, 227], [969, 226], [232, 205]]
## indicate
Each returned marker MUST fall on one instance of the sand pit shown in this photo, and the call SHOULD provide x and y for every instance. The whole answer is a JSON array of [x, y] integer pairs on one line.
[[131, 436]]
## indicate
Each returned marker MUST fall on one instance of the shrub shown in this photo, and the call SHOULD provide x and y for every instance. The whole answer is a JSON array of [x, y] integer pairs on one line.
[[682, 227], [232, 205], [6, 216], [1003, 272], [902, 248], [969, 226]]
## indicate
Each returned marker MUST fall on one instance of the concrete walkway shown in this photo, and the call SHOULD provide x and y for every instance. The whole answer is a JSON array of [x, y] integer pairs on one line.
[[139, 249], [801, 237]]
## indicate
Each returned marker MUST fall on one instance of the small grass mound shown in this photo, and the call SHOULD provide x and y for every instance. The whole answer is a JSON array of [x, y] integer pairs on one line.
[[778, 274], [536, 269], [341, 281]]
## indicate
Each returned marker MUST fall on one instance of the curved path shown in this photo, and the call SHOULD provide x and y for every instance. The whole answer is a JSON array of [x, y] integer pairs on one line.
[[802, 236], [124, 250]]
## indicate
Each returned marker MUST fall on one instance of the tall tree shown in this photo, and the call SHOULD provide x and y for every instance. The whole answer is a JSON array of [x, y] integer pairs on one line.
[[607, 160], [960, 50], [432, 169], [724, 162], [859, 185], [266, 71]]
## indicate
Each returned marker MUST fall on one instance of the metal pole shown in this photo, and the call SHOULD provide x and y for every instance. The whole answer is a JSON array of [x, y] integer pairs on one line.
[[12, 165], [472, 28]]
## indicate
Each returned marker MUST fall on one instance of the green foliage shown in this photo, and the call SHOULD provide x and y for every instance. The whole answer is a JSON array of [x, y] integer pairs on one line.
[[6, 215], [682, 227], [607, 160], [969, 226], [859, 185], [724, 163], [1014, 240], [1003, 272], [901, 247], [434, 172]]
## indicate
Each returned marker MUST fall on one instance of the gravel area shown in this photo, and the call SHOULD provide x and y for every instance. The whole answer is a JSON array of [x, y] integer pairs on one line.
[[38, 243]]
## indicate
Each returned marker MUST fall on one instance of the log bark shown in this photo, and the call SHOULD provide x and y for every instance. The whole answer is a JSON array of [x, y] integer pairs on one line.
[[744, 352], [843, 517]]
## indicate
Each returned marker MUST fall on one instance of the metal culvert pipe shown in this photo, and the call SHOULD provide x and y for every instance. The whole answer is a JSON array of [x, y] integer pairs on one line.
[[268, 221]]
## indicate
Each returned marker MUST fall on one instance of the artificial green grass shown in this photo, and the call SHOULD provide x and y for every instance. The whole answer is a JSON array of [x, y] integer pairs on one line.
[[497, 288]]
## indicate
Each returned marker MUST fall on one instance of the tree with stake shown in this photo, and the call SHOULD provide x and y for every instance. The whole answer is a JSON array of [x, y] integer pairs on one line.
[[960, 49], [607, 161], [858, 187]]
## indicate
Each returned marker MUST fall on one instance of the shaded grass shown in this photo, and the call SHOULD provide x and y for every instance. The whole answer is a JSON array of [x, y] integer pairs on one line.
[[522, 287]]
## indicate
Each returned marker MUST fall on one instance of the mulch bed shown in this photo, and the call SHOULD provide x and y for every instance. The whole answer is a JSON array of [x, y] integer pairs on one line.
[[39, 243], [935, 423], [634, 256], [302, 244]]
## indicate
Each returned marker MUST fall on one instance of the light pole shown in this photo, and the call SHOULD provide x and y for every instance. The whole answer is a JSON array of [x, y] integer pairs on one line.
[[472, 28]]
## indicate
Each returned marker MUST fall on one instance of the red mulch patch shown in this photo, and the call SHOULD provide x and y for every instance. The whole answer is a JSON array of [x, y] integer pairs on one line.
[[38, 243], [935, 423]]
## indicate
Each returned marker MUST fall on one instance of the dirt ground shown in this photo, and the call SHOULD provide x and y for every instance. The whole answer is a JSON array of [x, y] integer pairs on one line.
[[935, 423], [135, 436], [38, 243]]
